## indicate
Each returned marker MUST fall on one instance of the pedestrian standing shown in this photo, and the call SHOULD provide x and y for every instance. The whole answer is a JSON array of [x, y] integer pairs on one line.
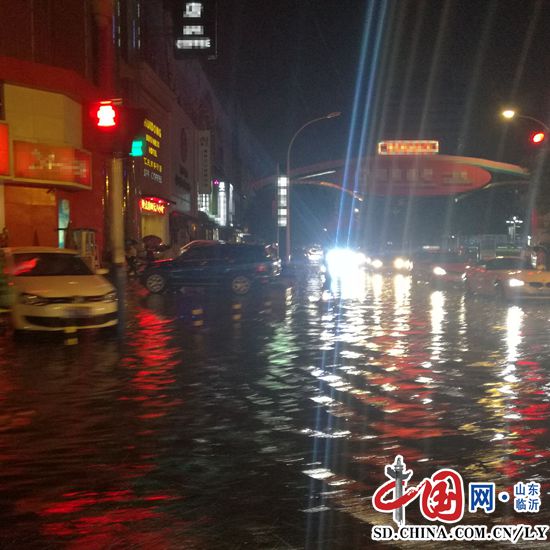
[[131, 258]]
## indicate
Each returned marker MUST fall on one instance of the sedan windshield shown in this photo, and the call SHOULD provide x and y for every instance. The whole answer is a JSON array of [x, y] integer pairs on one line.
[[47, 264]]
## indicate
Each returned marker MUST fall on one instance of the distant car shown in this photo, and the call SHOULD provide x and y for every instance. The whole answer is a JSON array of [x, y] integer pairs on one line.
[[508, 278], [440, 267], [237, 267], [390, 261], [53, 289]]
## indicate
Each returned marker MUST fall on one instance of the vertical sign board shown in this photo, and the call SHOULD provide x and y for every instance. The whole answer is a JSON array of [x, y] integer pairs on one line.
[[152, 167], [282, 201], [4, 150], [204, 184], [195, 28]]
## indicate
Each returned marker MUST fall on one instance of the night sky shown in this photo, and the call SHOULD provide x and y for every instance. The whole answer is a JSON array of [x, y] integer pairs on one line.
[[409, 69]]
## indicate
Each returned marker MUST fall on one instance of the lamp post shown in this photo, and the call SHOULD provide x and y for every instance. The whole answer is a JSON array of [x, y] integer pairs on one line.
[[513, 224], [287, 241], [536, 139], [509, 114]]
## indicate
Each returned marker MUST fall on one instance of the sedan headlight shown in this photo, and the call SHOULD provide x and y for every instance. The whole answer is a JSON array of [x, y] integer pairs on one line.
[[377, 264], [32, 300], [402, 264], [516, 282], [439, 271], [399, 263], [110, 297]]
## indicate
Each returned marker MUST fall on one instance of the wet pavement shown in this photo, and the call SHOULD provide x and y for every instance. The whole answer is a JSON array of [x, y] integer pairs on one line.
[[266, 422]]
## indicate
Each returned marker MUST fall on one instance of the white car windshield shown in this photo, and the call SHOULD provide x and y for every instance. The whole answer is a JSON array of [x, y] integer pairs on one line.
[[48, 264]]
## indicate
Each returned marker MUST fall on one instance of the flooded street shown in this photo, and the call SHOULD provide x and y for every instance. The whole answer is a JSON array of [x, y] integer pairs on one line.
[[267, 422]]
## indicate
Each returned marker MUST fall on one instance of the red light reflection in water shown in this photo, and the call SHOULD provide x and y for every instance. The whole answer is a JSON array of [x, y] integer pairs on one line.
[[96, 520], [153, 361], [125, 518]]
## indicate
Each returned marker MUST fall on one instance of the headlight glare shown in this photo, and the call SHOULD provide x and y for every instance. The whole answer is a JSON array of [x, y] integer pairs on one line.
[[439, 271], [516, 282]]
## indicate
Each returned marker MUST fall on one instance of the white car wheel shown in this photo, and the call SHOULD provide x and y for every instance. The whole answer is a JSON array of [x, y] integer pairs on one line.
[[241, 285], [155, 283]]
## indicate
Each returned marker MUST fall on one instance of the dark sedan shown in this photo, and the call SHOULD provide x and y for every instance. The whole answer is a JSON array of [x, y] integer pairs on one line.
[[237, 267]]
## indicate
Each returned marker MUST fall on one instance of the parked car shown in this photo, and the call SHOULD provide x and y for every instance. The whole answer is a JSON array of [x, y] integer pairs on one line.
[[440, 267], [53, 289], [508, 278], [238, 267]]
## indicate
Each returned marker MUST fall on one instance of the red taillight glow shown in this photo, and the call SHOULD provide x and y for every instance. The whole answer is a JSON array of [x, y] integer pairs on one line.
[[261, 268]]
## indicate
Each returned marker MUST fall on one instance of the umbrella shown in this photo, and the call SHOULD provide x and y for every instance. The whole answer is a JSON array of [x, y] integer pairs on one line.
[[151, 241]]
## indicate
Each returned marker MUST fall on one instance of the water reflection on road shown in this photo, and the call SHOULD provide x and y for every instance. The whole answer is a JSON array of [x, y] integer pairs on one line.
[[266, 422]]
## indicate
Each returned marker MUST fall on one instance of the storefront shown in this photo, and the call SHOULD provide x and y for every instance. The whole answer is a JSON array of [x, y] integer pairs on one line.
[[154, 217], [44, 172]]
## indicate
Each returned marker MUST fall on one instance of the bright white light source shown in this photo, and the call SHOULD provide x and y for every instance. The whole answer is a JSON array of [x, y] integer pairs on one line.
[[342, 262], [509, 113], [439, 271], [377, 264], [516, 282], [402, 264]]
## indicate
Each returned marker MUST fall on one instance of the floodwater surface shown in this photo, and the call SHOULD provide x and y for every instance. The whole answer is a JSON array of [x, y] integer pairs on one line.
[[266, 422]]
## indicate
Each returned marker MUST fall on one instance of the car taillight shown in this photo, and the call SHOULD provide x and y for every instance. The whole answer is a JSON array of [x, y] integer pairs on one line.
[[261, 268]]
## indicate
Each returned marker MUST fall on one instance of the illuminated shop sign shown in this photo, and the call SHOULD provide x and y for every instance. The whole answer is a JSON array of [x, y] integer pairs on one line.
[[4, 150], [204, 184], [195, 28], [152, 205], [47, 163], [282, 198], [152, 167], [408, 147]]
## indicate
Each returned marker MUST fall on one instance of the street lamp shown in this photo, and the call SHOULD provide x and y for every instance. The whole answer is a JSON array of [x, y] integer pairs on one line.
[[513, 224], [330, 115], [509, 114]]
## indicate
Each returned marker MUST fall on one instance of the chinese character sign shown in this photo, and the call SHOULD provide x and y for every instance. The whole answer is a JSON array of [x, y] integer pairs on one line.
[[195, 28]]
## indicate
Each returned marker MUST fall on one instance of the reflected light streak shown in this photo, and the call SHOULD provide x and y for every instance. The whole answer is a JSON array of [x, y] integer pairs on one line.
[[437, 315], [514, 323]]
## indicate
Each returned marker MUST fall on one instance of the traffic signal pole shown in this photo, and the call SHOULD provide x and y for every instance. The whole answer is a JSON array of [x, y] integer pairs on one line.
[[118, 258], [117, 213]]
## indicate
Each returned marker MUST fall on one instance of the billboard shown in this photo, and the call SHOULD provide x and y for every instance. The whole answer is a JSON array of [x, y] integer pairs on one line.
[[421, 175], [195, 28], [44, 163]]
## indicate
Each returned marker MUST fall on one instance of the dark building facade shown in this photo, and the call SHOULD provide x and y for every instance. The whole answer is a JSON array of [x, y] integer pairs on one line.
[[59, 56]]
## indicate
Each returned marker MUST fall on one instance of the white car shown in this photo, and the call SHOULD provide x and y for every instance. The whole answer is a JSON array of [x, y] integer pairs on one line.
[[507, 278], [53, 289]]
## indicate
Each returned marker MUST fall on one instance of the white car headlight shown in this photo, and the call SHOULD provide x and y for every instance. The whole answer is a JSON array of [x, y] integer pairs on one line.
[[110, 297], [399, 263], [439, 271], [32, 300], [377, 264], [516, 282]]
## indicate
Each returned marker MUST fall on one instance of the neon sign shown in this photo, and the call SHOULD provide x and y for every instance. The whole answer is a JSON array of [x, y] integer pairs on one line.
[[152, 205], [151, 151], [408, 147]]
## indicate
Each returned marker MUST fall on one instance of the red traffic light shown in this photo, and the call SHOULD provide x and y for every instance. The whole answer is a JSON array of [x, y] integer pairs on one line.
[[113, 126], [106, 115], [538, 137]]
